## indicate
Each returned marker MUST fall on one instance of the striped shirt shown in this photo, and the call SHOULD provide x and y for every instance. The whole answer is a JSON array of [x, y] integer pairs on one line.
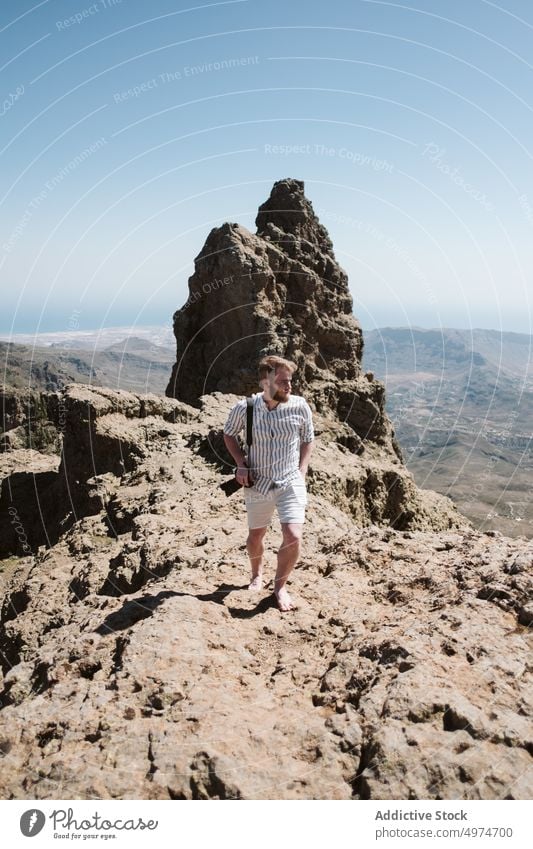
[[276, 436]]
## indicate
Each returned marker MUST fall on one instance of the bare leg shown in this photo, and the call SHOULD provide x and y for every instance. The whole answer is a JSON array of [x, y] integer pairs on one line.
[[255, 548], [288, 555]]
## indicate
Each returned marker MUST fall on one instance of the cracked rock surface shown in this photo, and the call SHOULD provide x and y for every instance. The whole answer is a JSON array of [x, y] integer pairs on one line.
[[136, 664]]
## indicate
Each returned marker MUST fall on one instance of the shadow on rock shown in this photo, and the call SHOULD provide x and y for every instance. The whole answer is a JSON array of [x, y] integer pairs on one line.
[[135, 610], [220, 594], [245, 613]]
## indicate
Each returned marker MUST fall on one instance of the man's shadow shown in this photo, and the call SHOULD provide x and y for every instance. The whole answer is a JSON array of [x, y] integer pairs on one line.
[[247, 613], [134, 610]]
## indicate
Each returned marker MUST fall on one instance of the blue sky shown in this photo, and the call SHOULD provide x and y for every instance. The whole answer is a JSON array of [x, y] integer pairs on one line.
[[129, 130]]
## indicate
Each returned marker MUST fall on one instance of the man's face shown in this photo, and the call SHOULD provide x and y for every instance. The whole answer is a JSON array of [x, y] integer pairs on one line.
[[280, 384]]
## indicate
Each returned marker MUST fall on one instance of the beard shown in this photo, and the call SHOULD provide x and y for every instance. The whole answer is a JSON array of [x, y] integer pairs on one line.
[[281, 395]]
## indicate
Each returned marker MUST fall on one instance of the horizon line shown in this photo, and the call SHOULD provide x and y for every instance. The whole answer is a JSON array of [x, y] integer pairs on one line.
[[6, 336]]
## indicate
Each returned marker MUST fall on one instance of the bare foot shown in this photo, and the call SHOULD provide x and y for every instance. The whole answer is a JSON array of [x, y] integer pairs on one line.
[[284, 600], [256, 584]]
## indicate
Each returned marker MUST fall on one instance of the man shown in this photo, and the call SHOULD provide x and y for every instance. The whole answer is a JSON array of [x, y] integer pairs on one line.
[[275, 475]]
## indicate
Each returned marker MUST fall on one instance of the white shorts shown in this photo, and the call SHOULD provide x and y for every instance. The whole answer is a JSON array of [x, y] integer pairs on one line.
[[290, 501]]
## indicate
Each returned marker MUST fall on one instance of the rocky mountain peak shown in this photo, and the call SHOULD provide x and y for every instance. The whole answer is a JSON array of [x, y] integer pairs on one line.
[[288, 210], [281, 291], [278, 291]]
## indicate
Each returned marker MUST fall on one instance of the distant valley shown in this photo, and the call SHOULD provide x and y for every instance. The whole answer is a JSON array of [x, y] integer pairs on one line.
[[136, 363], [462, 405]]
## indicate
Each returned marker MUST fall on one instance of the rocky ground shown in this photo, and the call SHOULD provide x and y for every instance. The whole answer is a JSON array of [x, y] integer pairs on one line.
[[137, 665]]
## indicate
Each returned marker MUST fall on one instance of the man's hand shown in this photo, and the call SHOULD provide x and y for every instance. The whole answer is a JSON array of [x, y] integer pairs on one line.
[[242, 475], [241, 472]]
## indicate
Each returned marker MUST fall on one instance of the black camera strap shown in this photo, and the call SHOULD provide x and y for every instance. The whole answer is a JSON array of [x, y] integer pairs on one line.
[[249, 420]]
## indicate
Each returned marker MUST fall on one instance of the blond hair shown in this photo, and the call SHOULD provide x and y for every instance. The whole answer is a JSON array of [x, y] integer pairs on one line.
[[273, 363]]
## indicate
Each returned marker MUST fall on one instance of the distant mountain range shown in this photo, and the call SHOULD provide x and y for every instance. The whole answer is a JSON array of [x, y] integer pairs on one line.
[[161, 335], [462, 405], [136, 364]]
